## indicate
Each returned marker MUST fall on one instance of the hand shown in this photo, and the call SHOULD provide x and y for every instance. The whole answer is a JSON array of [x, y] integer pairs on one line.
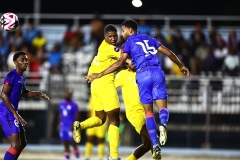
[[185, 70], [19, 119], [93, 76], [44, 96]]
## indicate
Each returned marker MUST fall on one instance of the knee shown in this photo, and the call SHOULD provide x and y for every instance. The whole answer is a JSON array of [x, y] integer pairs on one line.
[[147, 145], [114, 121]]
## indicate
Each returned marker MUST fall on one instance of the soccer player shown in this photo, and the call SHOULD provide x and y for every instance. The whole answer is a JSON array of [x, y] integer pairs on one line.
[[12, 90], [103, 93], [126, 80], [68, 113], [143, 49], [93, 134]]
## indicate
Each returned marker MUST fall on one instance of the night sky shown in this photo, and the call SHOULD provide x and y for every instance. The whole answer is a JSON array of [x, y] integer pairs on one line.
[[170, 7]]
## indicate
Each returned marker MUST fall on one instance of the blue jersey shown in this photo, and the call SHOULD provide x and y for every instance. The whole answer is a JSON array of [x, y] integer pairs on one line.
[[68, 111], [17, 82], [142, 49]]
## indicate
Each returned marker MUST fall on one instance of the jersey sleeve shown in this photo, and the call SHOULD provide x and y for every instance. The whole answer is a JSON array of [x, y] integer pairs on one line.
[[126, 47], [9, 79]]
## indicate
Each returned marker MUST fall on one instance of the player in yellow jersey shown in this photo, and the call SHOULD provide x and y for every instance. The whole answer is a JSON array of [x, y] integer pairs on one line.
[[96, 133], [126, 80], [103, 92]]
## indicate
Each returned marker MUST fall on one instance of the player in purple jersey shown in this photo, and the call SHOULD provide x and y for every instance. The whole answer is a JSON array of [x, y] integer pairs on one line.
[[12, 90], [143, 49], [68, 113]]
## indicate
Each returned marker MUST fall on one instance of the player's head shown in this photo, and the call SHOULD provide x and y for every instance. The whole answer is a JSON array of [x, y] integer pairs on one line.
[[21, 61], [129, 27], [110, 34], [68, 94]]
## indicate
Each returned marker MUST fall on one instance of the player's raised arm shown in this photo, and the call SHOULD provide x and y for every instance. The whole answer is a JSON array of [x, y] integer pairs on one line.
[[174, 58], [114, 67]]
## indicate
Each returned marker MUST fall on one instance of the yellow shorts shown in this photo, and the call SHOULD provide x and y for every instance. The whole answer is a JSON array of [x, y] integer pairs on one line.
[[98, 132], [136, 118], [104, 96]]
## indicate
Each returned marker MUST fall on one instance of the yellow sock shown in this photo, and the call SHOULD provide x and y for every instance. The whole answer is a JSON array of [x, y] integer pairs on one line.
[[101, 147], [131, 157], [113, 134], [91, 122], [88, 149]]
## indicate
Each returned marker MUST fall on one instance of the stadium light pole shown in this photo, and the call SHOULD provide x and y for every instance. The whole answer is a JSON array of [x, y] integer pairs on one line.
[[37, 7]]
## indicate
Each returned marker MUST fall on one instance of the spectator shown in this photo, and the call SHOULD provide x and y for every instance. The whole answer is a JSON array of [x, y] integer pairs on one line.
[[231, 63], [212, 36], [68, 35], [39, 41], [4, 50], [55, 59], [210, 63], [196, 37], [17, 38], [233, 41], [220, 51], [30, 33], [97, 26], [10, 63], [143, 27]]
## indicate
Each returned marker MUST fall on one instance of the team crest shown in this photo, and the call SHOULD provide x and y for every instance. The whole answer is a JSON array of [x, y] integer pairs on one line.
[[16, 123], [116, 49]]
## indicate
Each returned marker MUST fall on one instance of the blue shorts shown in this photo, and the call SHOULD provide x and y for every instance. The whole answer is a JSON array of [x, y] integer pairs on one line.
[[9, 124], [151, 84], [66, 134]]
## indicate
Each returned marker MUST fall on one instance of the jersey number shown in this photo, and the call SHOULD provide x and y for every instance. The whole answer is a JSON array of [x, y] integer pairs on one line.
[[146, 48]]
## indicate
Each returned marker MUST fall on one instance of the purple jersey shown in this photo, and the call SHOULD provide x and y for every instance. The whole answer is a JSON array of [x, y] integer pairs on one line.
[[142, 49], [68, 111], [150, 77], [17, 82]]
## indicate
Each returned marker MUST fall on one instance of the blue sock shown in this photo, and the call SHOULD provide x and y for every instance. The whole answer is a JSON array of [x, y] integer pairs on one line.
[[163, 116], [77, 153], [10, 154], [152, 128], [67, 155]]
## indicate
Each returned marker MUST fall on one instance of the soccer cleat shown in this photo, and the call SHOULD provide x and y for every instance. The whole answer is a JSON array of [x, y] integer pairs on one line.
[[156, 154], [110, 158], [162, 134], [76, 131]]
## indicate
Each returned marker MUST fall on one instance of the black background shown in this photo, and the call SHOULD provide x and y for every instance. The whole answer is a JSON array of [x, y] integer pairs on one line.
[[170, 7]]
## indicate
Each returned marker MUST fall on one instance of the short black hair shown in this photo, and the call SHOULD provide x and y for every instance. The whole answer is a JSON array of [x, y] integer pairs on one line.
[[110, 28], [17, 54], [130, 23]]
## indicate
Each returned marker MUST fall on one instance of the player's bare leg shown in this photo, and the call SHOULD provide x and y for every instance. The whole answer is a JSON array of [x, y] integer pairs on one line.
[[143, 148]]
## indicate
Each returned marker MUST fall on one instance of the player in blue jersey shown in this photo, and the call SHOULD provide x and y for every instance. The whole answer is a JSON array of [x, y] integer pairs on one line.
[[68, 113], [12, 90], [143, 49]]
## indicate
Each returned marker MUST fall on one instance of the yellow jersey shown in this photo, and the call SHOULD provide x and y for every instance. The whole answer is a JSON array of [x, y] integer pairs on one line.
[[106, 56], [127, 81]]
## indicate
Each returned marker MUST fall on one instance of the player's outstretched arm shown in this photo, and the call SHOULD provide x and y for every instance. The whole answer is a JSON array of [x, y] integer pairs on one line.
[[30, 94], [174, 58], [114, 67]]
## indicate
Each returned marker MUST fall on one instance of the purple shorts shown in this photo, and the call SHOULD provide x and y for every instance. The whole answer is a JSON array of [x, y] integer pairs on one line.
[[66, 134], [9, 124], [151, 84]]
